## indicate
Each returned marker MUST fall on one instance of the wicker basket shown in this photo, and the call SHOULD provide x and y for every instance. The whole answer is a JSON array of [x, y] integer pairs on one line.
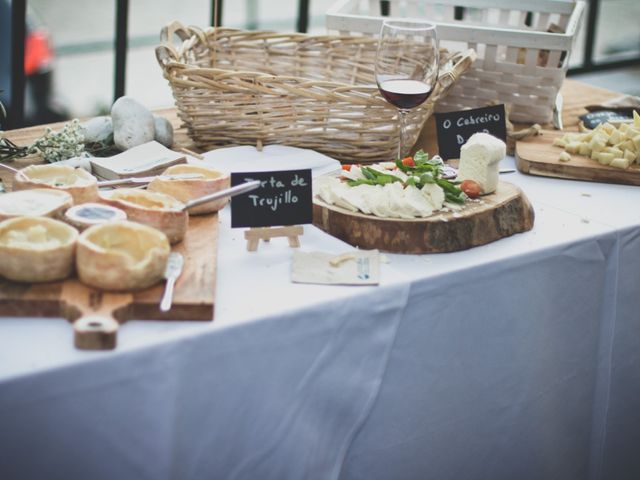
[[314, 92], [517, 64]]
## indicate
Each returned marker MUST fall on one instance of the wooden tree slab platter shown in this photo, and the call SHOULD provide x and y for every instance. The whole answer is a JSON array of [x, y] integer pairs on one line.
[[538, 156], [96, 314], [501, 214]]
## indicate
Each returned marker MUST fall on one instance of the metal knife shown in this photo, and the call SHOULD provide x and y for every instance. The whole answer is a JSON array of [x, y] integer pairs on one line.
[[171, 273], [557, 112]]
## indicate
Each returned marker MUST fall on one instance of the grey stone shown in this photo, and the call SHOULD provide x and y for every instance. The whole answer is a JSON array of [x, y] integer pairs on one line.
[[133, 124], [164, 131], [97, 129]]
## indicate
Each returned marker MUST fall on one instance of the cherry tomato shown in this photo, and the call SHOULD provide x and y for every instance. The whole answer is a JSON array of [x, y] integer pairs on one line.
[[408, 162], [347, 167], [471, 188]]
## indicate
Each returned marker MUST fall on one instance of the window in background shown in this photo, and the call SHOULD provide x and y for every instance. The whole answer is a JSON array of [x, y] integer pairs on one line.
[[617, 32], [146, 18], [82, 34]]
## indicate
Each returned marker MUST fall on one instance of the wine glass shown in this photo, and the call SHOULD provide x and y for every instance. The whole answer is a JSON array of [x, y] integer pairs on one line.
[[406, 67]]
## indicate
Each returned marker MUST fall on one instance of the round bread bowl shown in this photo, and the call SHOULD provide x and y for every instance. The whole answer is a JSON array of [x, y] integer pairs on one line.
[[36, 249], [39, 202], [121, 256], [82, 186], [211, 181], [154, 209]]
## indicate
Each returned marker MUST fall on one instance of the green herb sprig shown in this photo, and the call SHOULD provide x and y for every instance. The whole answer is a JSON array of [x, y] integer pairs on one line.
[[422, 172]]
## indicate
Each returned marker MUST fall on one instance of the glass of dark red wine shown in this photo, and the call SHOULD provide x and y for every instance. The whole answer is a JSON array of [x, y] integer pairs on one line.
[[406, 68]]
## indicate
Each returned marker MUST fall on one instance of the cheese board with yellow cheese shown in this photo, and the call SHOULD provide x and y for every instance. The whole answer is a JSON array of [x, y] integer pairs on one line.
[[608, 153]]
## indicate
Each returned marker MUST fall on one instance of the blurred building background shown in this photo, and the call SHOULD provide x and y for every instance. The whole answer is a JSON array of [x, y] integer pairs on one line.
[[82, 34]]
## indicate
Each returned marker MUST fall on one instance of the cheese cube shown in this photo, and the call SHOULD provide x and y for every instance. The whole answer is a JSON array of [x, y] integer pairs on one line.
[[616, 151], [573, 147], [559, 142], [616, 137], [564, 157], [630, 155], [605, 158], [632, 132], [479, 160], [584, 149], [620, 163], [636, 119]]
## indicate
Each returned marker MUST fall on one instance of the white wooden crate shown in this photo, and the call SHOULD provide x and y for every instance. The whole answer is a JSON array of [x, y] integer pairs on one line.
[[517, 64]]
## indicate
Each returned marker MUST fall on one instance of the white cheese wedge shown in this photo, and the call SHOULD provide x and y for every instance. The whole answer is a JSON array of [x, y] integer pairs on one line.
[[479, 160]]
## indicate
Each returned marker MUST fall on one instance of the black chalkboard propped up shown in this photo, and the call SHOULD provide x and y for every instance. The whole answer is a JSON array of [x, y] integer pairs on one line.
[[284, 198], [455, 128]]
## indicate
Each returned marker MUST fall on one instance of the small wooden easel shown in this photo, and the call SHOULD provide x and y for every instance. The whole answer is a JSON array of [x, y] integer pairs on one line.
[[254, 235]]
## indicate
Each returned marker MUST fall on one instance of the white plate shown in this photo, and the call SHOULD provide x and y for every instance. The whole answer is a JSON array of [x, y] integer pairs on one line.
[[272, 157]]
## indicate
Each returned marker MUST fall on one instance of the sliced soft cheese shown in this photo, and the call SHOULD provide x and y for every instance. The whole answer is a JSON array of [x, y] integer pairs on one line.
[[479, 160], [434, 194], [417, 203]]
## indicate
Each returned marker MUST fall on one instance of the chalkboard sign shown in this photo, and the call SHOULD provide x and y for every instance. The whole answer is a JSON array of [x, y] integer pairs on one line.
[[283, 198], [455, 128]]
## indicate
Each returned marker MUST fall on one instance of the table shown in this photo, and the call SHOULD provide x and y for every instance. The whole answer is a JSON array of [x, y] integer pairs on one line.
[[517, 359]]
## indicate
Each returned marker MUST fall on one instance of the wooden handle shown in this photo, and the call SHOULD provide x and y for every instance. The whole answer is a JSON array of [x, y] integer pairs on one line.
[[95, 332], [94, 314]]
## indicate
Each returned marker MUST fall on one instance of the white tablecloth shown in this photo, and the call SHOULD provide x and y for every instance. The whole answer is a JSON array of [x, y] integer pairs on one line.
[[518, 359]]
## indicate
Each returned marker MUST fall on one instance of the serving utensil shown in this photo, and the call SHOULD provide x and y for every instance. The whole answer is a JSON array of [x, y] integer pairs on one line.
[[227, 192], [11, 169], [143, 180], [448, 172], [172, 271]]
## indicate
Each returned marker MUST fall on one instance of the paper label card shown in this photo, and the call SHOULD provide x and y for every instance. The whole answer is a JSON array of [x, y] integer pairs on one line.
[[283, 198], [455, 128]]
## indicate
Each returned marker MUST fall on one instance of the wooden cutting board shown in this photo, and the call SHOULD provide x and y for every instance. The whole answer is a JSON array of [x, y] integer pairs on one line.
[[96, 314], [538, 156], [495, 216]]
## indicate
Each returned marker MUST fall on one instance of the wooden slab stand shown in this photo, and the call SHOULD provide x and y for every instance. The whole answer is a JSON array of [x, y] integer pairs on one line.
[[96, 314], [499, 215], [538, 156], [254, 235]]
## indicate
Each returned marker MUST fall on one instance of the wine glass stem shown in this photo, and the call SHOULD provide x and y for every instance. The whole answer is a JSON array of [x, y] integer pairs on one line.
[[402, 127]]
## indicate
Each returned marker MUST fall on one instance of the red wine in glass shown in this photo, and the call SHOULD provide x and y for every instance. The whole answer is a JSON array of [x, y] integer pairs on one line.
[[406, 69], [405, 93]]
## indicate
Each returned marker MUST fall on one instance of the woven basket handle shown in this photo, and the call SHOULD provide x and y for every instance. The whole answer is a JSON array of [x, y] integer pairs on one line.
[[461, 61], [167, 51]]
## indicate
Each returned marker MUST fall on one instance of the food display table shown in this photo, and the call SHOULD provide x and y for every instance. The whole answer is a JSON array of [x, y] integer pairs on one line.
[[517, 359]]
